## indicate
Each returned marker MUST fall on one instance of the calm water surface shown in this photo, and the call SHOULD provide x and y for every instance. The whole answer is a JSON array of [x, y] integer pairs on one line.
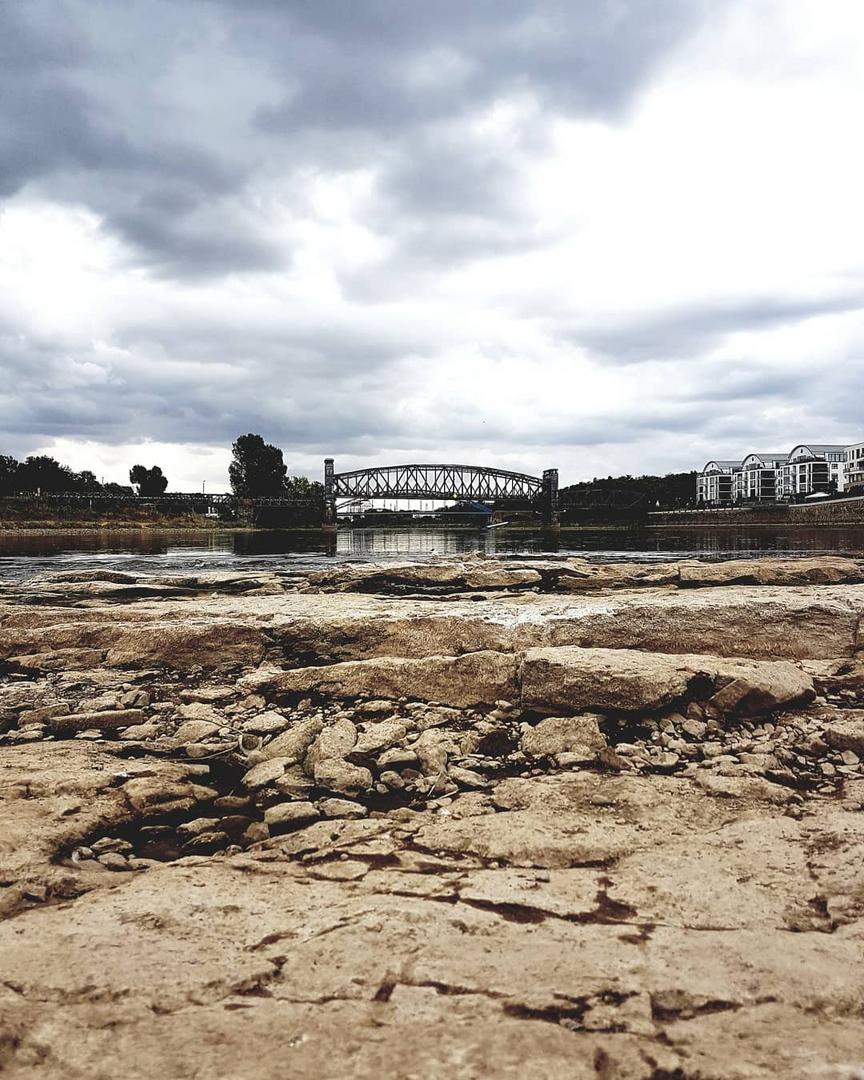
[[294, 552]]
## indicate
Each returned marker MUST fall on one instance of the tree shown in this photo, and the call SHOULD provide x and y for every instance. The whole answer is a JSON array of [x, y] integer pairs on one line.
[[257, 468], [85, 481], [8, 475], [301, 487], [45, 474], [148, 481]]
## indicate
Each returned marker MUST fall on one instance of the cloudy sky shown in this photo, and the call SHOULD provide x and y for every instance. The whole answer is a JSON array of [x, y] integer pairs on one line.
[[608, 235]]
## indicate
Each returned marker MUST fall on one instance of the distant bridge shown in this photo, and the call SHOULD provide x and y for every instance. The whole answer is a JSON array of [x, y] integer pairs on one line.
[[472, 482]]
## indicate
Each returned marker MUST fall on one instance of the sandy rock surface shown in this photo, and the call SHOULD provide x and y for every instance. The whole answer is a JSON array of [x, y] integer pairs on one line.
[[517, 818]]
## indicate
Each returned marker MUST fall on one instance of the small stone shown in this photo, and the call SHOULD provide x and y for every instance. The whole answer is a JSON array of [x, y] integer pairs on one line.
[[140, 731], [197, 826], [398, 756], [194, 731], [253, 703], [846, 735], [290, 813], [257, 833], [232, 802], [265, 773], [341, 808], [267, 723], [206, 842], [378, 707], [109, 843], [391, 781], [468, 778], [113, 860]]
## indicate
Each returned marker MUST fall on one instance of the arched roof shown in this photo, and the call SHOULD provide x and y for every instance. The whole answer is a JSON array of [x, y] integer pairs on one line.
[[766, 460], [814, 450], [720, 466]]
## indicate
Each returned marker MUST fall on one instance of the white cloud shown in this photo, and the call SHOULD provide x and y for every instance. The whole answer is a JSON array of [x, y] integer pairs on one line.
[[504, 264]]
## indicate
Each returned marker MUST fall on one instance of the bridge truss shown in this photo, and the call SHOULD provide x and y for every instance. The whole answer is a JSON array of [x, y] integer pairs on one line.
[[436, 482], [475, 483]]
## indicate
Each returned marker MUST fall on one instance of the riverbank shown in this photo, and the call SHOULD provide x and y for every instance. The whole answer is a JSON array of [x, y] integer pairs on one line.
[[536, 818]]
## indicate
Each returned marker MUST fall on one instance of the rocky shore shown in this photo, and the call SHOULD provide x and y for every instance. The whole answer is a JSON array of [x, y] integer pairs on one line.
[[518, 818]]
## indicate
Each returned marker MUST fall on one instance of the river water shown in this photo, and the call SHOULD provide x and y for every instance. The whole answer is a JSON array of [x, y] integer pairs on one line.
[[294, 552]]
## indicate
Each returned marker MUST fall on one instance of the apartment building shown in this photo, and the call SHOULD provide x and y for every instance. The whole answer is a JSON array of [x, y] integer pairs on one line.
[[767, 477], [758, 478], [854, 465], [714, 483], [817, 467]]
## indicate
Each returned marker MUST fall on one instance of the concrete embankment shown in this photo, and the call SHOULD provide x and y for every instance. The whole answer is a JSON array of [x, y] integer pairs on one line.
[[830, 512], [526, 818]]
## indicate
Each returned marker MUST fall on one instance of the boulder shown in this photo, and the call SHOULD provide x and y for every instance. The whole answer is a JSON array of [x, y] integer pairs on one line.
[[628, 681], [338, 775], [265, 772], [577, 735], [825, 570], [381, 736], [194, 731], [151, 795], [292, 745], [441, 577], [289, 814], [104, 720], [847, 734], [342, 808], [755, 688], [335, 741], [268, 723]]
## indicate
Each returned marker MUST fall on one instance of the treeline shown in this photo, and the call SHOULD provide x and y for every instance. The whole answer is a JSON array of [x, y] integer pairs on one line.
[[675, 491], [40, 473], [257, 469]]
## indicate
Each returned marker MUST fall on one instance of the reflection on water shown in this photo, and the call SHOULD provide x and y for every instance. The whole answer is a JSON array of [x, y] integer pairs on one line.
[[285, 551]]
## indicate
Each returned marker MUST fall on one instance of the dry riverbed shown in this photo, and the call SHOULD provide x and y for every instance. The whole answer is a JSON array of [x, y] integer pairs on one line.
[[465, 819]]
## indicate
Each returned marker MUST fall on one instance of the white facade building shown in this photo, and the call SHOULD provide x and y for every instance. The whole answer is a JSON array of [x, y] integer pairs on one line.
[[758, 480], [714, 483], [854, 469], [811, 468], [808, 469]]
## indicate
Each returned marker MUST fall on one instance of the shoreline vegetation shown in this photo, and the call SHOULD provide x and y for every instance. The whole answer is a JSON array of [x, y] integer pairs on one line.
[[201, 525]]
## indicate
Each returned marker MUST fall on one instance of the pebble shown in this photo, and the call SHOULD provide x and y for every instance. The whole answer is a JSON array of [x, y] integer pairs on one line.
[[113, 860]]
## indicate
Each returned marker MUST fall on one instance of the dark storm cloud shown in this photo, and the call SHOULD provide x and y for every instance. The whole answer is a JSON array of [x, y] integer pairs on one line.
[[693, 330], [355, 65], [93, 104]]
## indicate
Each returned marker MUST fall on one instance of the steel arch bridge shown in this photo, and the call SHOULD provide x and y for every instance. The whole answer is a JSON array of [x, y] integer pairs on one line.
[[436, 482], [474, 482]]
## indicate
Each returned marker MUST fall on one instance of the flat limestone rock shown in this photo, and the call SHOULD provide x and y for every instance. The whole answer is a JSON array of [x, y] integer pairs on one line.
[[620, 679], [452, 680], [461, 878]]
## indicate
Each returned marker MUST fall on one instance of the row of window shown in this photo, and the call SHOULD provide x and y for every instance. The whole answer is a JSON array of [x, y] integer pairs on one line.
[[773, 477]]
